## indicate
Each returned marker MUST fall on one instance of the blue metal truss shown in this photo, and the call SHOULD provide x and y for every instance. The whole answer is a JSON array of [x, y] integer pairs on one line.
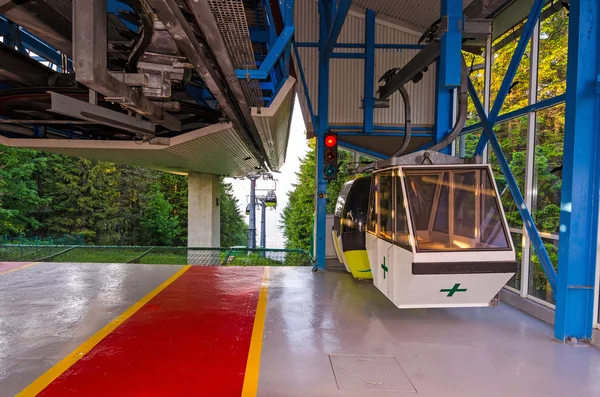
[[536, 107], [532, 21], [18, 37], [534, 235], [370, 153], [272, 69]]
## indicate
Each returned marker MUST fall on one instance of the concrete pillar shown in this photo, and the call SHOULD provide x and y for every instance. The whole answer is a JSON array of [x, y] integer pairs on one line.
[[204, 220]]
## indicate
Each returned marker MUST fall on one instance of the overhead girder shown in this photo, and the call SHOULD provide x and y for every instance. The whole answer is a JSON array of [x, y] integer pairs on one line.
[[223, 86]]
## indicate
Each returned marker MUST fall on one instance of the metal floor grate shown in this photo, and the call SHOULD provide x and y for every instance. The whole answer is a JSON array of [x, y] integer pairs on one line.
[[355, 372], [233, 27]]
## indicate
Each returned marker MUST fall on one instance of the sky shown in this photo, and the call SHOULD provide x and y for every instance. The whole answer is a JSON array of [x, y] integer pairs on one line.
[[297, 148]]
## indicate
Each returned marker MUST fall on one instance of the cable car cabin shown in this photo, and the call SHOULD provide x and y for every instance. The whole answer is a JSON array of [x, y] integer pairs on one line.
[[348, 233], [437, 236]]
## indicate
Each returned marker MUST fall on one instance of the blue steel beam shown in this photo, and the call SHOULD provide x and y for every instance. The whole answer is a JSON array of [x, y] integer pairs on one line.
[[369, 153], [287, 10], [348, 55], [398, 134], [369, 75], [305, 86], [448, 69], [32, 43], [451, 45], [361, 46], [536, 107], [580, 195], [283, 41], [532, 20], [427, 130], [320, 232], [536, 240], [341, 11]]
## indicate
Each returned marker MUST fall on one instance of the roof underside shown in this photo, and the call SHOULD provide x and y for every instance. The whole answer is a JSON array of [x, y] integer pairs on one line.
[[397, 22]]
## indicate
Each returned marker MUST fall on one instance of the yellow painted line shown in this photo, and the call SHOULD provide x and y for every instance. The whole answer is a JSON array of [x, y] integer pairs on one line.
[[253, 364], [46, 378], [19, 268]]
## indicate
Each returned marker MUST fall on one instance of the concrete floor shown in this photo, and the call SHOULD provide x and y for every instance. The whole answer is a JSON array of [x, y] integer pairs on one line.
[[47, 310], [443, 352]]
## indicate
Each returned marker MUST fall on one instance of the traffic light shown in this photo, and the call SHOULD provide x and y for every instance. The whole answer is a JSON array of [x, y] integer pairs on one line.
[[330, 156]]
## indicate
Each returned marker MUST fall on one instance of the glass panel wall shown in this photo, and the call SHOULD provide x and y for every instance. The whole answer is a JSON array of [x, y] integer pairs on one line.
[[504, 48], [549, 138], [538, 283], [552, 73], [512, 136], [517, 237]]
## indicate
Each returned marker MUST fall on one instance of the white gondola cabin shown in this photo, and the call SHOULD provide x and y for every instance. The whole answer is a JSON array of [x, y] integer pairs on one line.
[[436, 234]]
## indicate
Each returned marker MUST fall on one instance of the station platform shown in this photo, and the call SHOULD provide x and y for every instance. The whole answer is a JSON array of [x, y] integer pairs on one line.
[[71, 329]]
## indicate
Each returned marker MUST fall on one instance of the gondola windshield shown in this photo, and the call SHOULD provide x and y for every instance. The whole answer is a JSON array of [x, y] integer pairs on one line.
[[454, 210]]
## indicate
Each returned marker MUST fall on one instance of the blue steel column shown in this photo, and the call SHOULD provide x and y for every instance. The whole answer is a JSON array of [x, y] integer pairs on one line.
[[321, 128], [369, 94], [448, 68], [581, 176]]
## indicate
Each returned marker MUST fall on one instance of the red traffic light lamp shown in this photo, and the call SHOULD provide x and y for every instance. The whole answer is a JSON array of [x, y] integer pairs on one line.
[[330, 140], [330, 156]]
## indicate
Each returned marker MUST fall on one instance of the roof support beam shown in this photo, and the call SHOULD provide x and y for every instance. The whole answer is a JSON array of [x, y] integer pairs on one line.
[[283, 42], [577, 250], [423, 59], [170, 14], [341, 11], [449, 68], [90, 62], [369, 75]]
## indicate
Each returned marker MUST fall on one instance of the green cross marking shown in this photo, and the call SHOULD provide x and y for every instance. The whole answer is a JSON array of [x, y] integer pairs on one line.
[[453, 290], [384, 267]]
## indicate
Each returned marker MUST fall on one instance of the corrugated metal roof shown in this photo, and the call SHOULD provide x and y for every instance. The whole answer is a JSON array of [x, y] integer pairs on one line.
[[273, 123], [421, 13], [346, 88]]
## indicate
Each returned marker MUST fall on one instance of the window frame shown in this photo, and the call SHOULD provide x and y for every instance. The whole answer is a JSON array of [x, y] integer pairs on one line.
[[386, 173], [398, 178], [466, 168]]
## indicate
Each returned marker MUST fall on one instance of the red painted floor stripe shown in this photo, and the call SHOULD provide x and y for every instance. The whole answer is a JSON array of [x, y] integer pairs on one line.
[[192, 339], [6, 266]]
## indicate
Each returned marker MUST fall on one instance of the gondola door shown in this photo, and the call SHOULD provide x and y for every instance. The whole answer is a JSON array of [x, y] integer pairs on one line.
[[385, 232]]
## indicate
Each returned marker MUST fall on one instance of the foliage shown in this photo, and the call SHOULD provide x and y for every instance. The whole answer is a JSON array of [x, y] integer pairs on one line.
[[158, 224], [19, 196], [297, 218], [54, 196]]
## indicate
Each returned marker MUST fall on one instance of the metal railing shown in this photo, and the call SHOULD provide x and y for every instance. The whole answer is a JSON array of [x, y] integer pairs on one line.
[[233, 256]]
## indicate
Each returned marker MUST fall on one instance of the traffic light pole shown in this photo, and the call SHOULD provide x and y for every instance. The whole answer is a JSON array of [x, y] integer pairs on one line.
[[322, 127]]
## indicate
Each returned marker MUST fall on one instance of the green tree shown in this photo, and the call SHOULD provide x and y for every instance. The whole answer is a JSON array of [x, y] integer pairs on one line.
[[19, 198], [297, 217], [175, 189], [83, 199], [158, 224]]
